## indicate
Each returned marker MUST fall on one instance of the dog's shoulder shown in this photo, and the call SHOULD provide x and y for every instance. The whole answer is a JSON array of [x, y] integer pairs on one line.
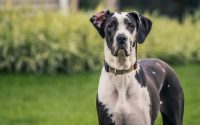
[[154, 70], [150, 61], [156, 66], [153, 65]]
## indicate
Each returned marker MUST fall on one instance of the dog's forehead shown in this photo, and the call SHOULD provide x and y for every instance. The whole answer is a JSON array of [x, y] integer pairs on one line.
[[120, 16]]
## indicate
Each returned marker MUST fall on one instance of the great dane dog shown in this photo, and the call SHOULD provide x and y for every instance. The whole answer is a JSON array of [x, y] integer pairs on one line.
[[132, 92]]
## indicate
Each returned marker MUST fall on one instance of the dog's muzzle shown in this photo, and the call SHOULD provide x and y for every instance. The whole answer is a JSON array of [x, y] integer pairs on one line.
[[121, 40]]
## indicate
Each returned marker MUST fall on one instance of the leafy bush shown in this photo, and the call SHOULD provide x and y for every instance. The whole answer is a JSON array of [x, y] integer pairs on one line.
[[49, 42], [173, 42]]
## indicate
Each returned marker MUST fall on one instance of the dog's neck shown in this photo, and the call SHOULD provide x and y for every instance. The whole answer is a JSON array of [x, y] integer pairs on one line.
[[120, 62]]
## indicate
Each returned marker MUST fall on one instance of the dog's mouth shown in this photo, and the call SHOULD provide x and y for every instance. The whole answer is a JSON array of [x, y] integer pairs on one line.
[[121, 51]]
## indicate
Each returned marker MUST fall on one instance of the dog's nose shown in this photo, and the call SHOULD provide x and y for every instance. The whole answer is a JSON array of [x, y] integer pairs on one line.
[[121, 39]]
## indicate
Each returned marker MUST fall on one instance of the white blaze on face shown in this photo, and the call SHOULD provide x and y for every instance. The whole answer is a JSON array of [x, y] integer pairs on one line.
[[121, 29]]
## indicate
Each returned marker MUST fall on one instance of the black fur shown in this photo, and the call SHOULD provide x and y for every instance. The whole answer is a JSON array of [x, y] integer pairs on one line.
[[131, 23], [172, 97], [110, 29], [102, 112], [140, 76], [143, 26]]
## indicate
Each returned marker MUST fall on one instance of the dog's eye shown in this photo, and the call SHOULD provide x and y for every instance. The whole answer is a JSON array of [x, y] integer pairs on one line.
[[111, 26], [130, 25]]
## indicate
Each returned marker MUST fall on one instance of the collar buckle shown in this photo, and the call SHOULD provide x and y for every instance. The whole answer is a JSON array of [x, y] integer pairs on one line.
[[115, 71]]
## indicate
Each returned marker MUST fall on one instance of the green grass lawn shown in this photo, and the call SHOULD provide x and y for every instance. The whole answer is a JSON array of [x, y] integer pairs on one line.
[[27, 99]]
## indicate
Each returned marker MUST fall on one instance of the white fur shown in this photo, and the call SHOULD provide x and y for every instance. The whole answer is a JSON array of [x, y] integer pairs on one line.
[[160, 87], [163, 69], [124, 97]]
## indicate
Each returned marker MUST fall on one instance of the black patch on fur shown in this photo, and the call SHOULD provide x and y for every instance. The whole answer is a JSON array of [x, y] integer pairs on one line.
[[172, 97], [111, 26], [143, 26], [103, 117], [130, 23], [154, 106], [140, 76], [134, 44]]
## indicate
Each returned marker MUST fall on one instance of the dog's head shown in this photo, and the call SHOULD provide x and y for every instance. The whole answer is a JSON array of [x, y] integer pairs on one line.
[[122, 30]]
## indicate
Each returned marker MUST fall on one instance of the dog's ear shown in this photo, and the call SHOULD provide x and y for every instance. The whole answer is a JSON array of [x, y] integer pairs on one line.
[[143, 26], [98, 21]]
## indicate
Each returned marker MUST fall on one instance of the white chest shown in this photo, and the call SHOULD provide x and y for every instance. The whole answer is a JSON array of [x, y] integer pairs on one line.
[[125, 99]]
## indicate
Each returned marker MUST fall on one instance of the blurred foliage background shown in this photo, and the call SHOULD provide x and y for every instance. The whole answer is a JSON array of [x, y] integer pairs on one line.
[[47, 42], [51, 42]]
